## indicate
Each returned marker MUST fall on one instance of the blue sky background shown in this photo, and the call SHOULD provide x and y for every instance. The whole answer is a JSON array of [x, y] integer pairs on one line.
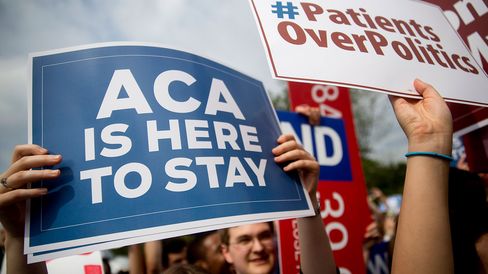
[[223, 31]]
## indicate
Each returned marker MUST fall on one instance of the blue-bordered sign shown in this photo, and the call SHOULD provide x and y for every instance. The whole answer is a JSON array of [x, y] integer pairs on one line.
[[326, 141], [153, 140]]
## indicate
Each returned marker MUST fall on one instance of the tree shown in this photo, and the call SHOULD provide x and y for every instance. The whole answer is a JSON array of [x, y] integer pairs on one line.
[[387, 177], [280, 100]]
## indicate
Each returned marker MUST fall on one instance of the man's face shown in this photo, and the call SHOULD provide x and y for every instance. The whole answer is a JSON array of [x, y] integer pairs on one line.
[[251, 249]]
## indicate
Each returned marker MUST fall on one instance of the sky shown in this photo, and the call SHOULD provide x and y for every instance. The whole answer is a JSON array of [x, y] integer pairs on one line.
[[224, 31]]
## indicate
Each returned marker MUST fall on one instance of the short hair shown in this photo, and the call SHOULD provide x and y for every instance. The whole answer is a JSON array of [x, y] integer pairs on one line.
[[185, 269], [195, 250], [173, 245], [224, 233]]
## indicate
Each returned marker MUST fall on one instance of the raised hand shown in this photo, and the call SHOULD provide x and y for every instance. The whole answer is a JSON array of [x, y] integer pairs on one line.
[[13, 181], [427, 123], [291, 152]]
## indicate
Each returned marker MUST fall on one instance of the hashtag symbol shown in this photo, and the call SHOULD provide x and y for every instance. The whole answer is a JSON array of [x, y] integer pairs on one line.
[[289, 9]]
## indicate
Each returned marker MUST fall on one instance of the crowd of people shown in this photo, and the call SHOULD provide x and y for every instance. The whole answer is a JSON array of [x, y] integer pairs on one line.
[[424, 237]]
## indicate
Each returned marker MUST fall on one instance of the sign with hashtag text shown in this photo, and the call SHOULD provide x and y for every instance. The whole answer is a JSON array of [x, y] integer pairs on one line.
[[373, 45]]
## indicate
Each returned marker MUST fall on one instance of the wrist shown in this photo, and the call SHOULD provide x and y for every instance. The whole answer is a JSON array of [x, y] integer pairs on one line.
[[13, 243], [439, 143]]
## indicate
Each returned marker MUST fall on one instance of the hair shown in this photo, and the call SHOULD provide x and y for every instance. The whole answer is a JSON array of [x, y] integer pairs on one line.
[[224, 233], [468, 216], [185, 269], [196, 251], [173, 245]]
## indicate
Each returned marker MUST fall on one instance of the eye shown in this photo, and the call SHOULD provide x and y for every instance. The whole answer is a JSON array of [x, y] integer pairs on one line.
[[244, 240], [267, 235]]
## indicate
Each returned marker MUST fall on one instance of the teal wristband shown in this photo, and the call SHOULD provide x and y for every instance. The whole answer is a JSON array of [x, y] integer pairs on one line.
[[430, 154]]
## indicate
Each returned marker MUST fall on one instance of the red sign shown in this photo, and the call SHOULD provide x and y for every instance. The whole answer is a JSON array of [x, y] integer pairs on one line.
[[343, 203], [470, 19]]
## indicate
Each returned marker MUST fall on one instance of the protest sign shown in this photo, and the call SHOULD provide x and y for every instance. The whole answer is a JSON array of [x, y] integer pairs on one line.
[[470, 19], [89, 263], [375, 45], [155, 143], [342, 199]]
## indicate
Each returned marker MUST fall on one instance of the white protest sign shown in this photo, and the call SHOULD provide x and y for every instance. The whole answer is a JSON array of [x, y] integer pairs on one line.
[[375, 45], [89, 263]]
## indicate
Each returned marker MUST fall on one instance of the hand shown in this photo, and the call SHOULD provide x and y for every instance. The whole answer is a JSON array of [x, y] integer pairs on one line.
[[16, 177], [427, 122], [291, 152], [372, 235], [313, 113], [377, 194], [462, 164]]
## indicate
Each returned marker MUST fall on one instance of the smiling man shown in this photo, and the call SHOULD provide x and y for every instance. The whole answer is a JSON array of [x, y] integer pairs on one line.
[[250, 248]]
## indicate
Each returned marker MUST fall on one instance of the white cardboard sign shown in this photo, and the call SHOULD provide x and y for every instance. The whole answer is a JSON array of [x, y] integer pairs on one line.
[[375, 45]]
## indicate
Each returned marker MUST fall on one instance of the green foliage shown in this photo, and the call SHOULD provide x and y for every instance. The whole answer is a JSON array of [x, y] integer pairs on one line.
[[280, 100], [387, 177]]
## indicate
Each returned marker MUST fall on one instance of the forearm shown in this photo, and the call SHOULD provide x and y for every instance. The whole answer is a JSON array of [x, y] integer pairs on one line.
[[17, 261], [423, 241], [153, 257], [315, 251], [136, 259]]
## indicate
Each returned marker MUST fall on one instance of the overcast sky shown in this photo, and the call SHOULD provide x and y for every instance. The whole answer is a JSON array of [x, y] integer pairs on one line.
[[223, 31]]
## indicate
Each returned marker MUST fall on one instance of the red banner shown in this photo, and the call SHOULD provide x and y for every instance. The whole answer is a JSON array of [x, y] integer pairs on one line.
[[343, 203]]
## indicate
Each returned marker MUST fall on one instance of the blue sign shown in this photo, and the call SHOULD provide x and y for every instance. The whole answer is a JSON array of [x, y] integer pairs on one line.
[[327, 142], [153, 140]]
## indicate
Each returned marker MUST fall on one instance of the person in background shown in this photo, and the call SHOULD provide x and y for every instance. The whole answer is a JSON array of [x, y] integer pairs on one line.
[[204, 251], [185, 269], [251, 248], [174, 252], [376, 250], [468, 213]]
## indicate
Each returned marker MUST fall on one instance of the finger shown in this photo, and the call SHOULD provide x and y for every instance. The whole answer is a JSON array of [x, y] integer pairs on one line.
[[314, 117], [33, 161], [27, 150], [292, 155], [20, 195], [285, 147], [285, 137], [303, 109], [310, 165], [425, 89], [21, 178]]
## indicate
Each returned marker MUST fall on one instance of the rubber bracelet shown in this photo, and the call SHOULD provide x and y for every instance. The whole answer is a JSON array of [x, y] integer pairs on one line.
[[430, 154]]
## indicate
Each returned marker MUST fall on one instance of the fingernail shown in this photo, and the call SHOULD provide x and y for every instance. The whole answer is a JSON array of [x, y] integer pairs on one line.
[[54, 172], [43, 191], [55, 157]]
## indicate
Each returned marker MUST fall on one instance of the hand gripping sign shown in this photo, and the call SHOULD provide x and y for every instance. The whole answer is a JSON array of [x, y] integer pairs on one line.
[[154, 142]]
